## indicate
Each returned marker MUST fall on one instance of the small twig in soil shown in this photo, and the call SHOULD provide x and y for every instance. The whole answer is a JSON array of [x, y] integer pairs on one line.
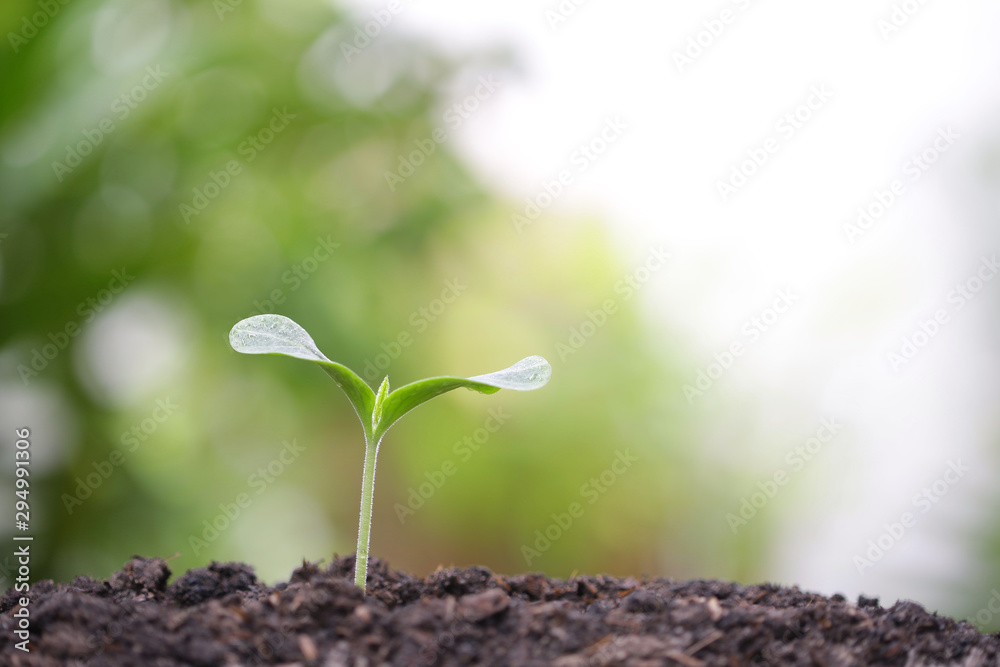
[[694, 648]]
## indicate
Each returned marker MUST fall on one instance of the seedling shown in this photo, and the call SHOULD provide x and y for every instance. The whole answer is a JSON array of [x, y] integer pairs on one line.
[[378, 411]]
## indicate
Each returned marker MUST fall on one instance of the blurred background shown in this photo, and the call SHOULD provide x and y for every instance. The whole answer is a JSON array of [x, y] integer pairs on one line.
[[757, 241]]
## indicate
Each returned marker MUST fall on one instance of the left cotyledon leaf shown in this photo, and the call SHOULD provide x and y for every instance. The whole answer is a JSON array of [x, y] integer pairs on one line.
[[277, 334]]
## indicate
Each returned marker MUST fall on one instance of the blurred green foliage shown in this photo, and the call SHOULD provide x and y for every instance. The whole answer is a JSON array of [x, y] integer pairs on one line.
[[250, 177]]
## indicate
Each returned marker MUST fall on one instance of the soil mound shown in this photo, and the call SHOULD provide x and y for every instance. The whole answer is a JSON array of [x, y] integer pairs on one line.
[[222, 615]]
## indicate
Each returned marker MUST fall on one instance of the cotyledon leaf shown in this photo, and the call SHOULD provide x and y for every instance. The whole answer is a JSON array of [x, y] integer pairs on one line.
[[276, 334], [528, 374]]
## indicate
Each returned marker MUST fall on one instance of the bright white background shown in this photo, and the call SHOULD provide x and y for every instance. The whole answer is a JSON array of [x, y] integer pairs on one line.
[[657, 185]]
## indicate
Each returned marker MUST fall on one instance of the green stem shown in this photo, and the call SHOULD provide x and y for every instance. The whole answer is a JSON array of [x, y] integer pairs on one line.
[[365, 522]]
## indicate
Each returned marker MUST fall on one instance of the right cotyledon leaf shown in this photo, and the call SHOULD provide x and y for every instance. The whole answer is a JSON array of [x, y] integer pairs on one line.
[[528, 374]]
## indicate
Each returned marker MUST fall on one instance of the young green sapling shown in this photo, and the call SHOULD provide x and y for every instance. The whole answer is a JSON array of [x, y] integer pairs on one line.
[[275, 334]]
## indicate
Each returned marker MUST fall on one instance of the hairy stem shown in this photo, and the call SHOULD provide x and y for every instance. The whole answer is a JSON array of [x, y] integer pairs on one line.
[[365, 522]]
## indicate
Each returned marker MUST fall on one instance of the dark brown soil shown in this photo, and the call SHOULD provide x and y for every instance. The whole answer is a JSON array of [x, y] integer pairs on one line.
[[221, 615]]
